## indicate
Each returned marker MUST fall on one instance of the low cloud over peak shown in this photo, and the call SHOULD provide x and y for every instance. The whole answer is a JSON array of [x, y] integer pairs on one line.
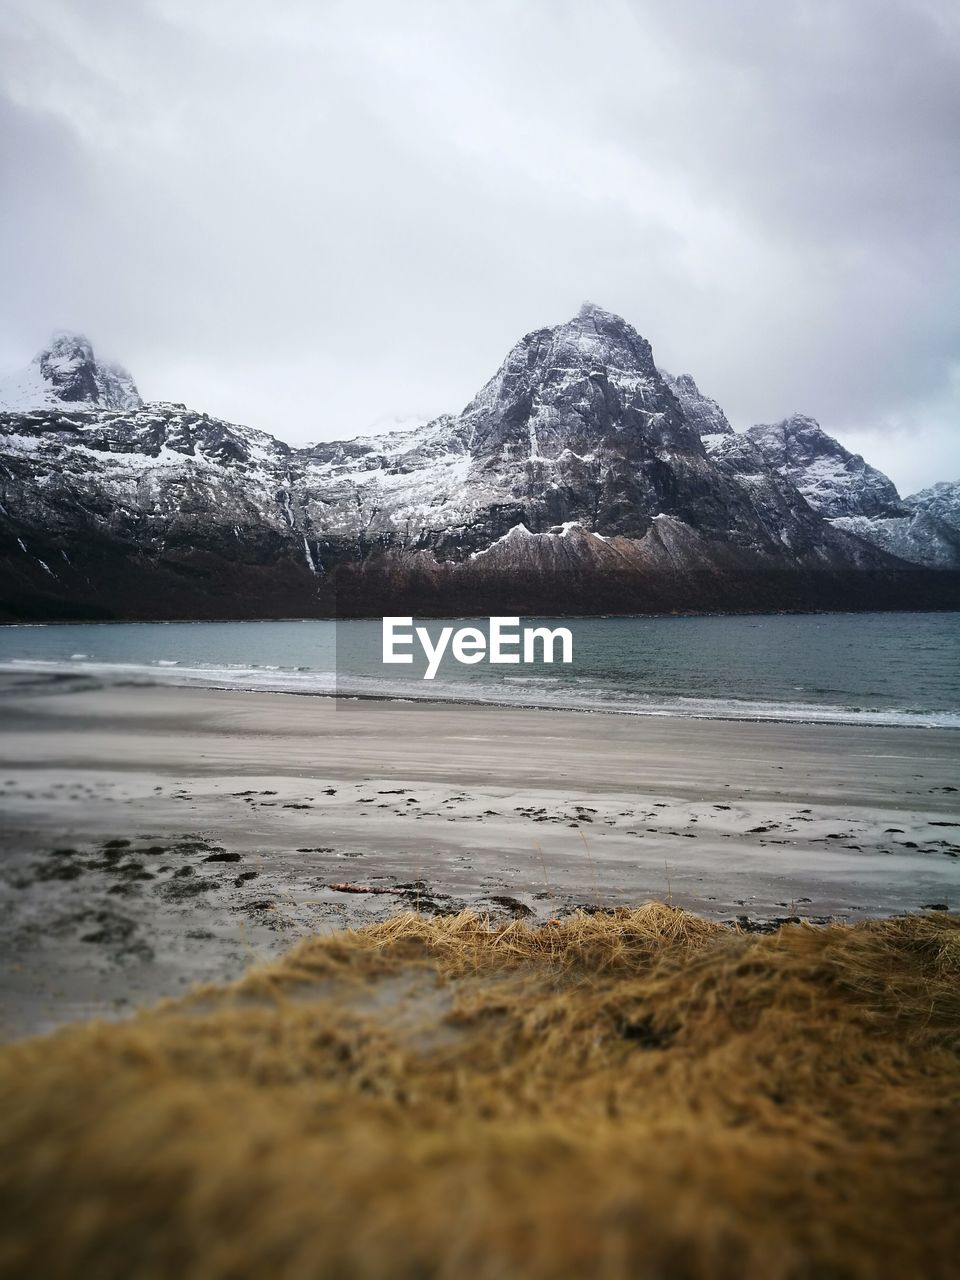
[[306, 220]]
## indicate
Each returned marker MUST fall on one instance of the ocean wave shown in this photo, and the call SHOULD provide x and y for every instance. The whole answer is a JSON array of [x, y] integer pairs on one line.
[[546, 693], [531, 679]]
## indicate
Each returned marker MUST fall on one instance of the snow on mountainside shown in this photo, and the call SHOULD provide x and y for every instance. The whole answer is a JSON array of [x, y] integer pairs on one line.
[[577, 427], [396, 486], [67, 374], [543, 442], [929, 532], [576, 480], [853, 496], [705, 414], [834, 481], [919, 537], [941, 501], [162, 476]]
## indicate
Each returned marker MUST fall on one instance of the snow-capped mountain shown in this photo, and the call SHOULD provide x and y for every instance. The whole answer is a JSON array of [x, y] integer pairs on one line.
[[576, 427], [927, 533], [918, 537], [705, 414], [941, 501], [834, 481], [65, 375], [579, 479], [855, 497]]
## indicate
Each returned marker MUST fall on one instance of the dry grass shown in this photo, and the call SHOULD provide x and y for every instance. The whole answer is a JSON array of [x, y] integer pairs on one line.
[[639, 1094]]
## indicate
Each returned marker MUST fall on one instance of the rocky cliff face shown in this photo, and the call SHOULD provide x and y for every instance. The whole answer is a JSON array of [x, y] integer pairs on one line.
[[927, 533], [834, 481], [917, 537], [575, 425], [855, 497], [68, 375], [703, 413], [942, 501], [577, 480]]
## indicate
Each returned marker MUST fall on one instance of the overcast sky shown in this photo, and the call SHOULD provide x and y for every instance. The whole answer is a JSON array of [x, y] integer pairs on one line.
[[308, 216]]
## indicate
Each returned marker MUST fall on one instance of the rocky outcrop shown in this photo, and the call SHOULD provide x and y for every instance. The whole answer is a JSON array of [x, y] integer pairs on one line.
[[705, 414], [834, 481], [579, 479], [919, 537], [67, 374], [942, 501], [856, 498], [928, 533]]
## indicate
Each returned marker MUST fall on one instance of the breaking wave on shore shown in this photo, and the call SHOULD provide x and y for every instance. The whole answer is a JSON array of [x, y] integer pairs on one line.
[[534, 693]]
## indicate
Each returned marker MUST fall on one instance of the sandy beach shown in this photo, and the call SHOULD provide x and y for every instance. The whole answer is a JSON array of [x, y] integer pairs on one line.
[[154, 838]]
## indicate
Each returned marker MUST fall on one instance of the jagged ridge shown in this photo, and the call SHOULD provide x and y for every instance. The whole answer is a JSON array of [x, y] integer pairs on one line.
[[579, 478]]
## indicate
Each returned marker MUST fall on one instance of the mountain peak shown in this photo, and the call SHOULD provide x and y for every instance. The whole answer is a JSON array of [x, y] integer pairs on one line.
[[592, 318], [566, 391], [590, 309], [705, 414], [834, 481], [66, 345], [598, 483], [67, 374]]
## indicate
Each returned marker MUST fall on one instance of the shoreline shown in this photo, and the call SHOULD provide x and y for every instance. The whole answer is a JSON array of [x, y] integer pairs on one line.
[[57, 671], [158, 836], [472, 617]]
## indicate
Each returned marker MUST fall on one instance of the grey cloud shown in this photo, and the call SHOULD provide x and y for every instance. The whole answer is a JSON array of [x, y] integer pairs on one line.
[[308, 216]]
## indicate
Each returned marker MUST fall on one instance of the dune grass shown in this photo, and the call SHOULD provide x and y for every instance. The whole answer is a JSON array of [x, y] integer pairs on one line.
[[639, 1093]]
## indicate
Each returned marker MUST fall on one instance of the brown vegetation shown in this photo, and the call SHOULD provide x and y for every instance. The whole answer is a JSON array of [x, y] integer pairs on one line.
[[637, 1094]]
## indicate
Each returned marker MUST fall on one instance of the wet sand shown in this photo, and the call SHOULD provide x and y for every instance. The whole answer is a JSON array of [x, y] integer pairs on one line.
[[249, 817]]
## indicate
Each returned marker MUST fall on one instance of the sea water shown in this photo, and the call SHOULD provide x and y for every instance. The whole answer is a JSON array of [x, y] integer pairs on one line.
[[880, 668]]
